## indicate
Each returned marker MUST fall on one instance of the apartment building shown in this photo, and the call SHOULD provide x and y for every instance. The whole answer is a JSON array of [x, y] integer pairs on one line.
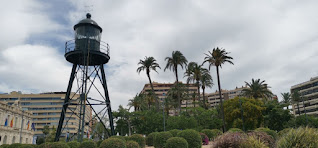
[[309, 92], [15, 125], [214, 98], [161, 90], [46, 109]]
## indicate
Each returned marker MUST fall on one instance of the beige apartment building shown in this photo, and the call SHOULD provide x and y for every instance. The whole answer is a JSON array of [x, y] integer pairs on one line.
[[46, 109], [161, 90], [12, 119], [214, 98], [309, 92]]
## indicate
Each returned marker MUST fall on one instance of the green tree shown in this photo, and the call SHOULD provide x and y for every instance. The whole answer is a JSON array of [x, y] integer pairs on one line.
[[176, 59], [286, 99], [252, 113], [122, 117], [149, 64], [275, 117], [296, 99], [207, 119], [146, 122], [216, 58], [51, 136], [46, 130], [257, 89]]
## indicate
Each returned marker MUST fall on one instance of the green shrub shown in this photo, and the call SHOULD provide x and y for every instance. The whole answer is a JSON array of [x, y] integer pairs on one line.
[[252, 142], [15, 145], [73, 144], [174, 132], [283, 132], [192, 137], [132, 144], [161, 138], [40, 140], [120, 137], [216, 133], [263, 137], [4, 146], [113, 143], [98, 143], [176, 142], [229, 139], [234, 130], [150, 138], [45, 145], [208, 132], [88, 144], [28, 146], [268, 131], [299, 138], [139, 139], [59, 145], [126, 138]]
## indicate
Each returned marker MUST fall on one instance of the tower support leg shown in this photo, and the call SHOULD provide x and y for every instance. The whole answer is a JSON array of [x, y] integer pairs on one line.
[[110, 115], [66, 103]]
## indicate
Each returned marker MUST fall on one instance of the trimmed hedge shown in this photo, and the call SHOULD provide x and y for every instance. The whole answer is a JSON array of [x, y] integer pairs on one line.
[[132, 144], [299, 138], [73, 144], [208, 132], [139, 139], [28, 146], [192, 137], [113, 143], [4, 146], [216, 133], [268, 131], [88, 144], [161, 138], [176, 142], [150, 138], [234, 130], [174, 132], [15, 145], [120, 137]]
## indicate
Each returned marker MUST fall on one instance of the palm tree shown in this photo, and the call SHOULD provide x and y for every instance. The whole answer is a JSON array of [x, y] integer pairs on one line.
[[206, 81], [135, 102], [195, 75], [188, 73], [172, 64], [257, 89], [216, 58], [286, 98], [296, 99], [149, 64]]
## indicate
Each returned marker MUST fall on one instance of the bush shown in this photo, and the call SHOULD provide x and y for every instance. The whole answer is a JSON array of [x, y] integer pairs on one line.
[[113, 143], [132, 144], [283, 132], [88, 144], [98, 143], [252, 142], [268, 131], [139, 139], [216, 133], [126, 138], [120, 137], [15, 145], [45, 145], [208, 132], [204, 138], [263, 137], [28, 146], [229, 139], [299, 138], [4, 146], [176, 142], [150, 138], [40, 140], [174, 132], [192, 137], [161, 138], [234, 130], [73, 144], [59, 145]]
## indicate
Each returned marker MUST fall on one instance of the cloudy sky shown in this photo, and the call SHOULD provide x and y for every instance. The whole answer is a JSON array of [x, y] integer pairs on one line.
[[275, 41]]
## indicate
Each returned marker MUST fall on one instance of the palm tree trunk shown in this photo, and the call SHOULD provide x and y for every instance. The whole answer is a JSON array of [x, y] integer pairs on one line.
[[221, 100], [178, 94], [204, 103], [298, 109], [153, 92], [198, 85]]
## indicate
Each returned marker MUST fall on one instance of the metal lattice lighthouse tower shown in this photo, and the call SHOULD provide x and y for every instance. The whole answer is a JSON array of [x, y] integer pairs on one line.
[[88, 54]]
